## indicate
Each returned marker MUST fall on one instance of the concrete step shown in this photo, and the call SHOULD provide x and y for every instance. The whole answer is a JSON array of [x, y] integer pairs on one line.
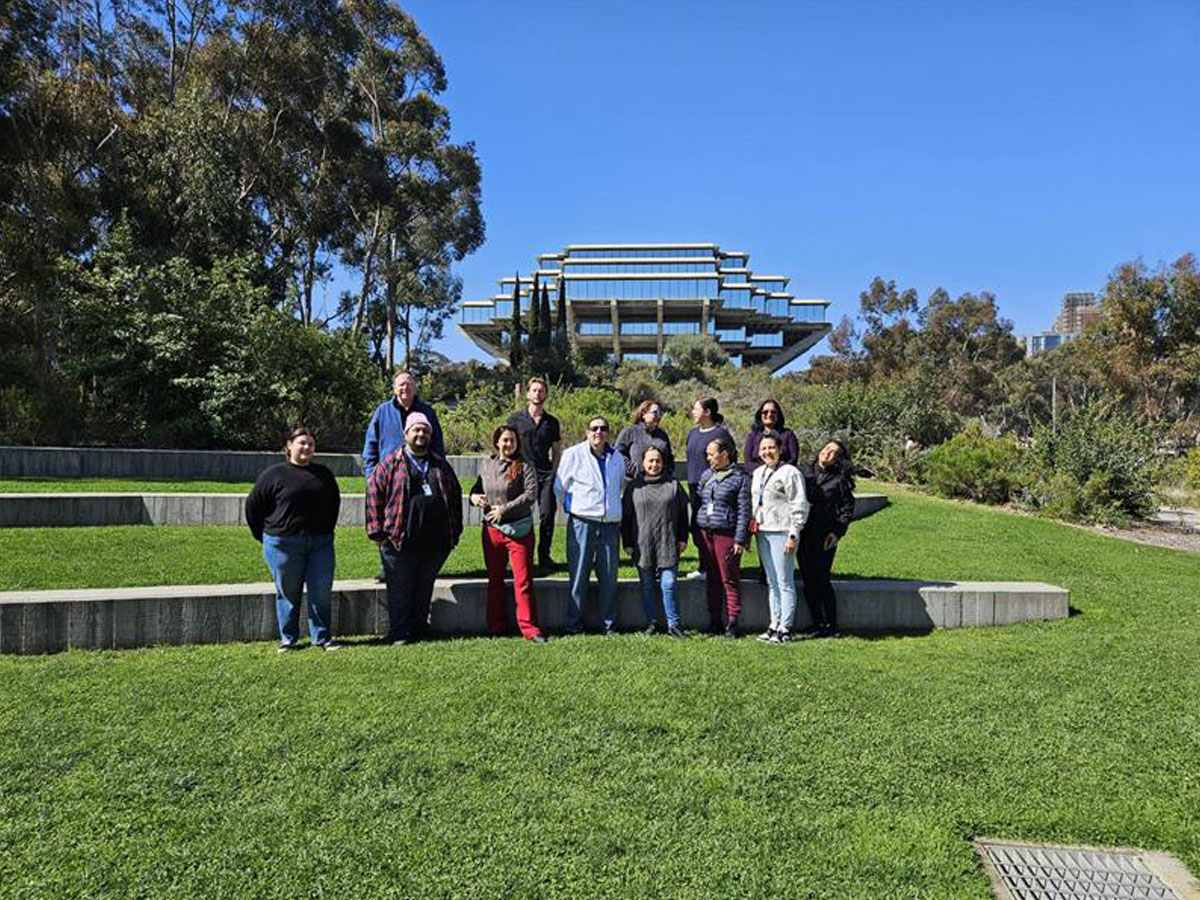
[[35, 622], [72, 510]]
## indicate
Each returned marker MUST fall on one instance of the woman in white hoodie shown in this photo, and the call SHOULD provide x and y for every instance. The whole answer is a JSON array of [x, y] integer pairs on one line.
[[779, 507]]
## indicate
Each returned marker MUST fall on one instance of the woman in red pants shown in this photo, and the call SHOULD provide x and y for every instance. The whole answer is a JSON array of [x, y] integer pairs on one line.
[[506, 491]]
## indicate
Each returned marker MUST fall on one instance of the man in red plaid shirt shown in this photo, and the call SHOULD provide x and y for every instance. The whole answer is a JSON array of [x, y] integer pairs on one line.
[[414, 514]]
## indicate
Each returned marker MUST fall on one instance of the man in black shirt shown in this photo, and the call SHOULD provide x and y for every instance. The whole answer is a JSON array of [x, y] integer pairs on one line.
[[541, 447]]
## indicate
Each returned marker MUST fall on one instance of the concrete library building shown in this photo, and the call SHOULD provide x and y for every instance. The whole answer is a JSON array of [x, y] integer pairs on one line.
[[629, 299]]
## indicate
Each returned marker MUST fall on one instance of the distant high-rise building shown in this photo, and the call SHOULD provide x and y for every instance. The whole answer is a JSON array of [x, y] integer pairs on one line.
[[630, 298], [1079, 309]]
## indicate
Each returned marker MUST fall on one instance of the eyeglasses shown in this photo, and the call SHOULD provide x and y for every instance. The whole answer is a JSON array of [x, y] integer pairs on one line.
[[597, 428]]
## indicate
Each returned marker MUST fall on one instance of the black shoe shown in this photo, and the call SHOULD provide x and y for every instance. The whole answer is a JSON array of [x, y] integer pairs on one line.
[[537, 639], [730, 632], [676, 633], [610, 631], [400, 640], [381, 578], [714, 629], [809, 633], [288, 646], [650, 629], [830, 632], [783, 636]]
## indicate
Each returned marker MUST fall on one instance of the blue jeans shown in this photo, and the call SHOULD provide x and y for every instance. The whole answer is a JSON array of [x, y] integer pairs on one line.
[[780, 569], [297, 560], [666, 579], [592, 544]]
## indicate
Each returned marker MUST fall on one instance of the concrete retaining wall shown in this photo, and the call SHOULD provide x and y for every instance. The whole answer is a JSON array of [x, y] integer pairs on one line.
[[68, 510], [206, 465], [37, 622], [104, 462]]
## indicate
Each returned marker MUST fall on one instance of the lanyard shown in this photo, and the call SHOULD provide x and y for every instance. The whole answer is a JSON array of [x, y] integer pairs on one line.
[[762, 489], [422, 467]]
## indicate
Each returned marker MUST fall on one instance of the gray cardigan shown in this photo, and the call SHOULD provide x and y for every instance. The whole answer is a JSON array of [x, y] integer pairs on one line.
[[513, 498], [654, 521]]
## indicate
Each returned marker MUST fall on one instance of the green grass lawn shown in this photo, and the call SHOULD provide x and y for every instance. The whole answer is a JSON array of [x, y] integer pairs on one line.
[[349, 484], [626, 767], [137, 555]]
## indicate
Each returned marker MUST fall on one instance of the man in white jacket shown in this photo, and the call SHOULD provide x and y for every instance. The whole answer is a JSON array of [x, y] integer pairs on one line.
[[589, 484]]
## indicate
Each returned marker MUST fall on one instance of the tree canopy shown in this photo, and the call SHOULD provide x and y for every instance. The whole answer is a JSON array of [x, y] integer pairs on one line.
[[183, 137]]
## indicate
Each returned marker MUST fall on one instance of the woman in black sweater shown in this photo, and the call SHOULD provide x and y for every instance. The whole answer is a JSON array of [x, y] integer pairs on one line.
[[829, 484], [292, 511]]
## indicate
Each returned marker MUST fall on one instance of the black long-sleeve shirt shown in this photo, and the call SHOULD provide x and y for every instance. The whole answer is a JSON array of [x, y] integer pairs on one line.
[[290, 499], [831, 498]]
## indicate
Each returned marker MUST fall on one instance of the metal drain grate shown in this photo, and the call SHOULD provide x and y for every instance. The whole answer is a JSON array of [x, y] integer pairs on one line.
[[1044, 872]]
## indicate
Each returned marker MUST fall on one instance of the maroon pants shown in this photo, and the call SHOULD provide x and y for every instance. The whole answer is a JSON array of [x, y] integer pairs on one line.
[[724, 572], [498, 551]]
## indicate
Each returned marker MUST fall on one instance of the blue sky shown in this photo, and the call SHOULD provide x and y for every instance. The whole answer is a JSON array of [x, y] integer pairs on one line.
[[1020, 148]]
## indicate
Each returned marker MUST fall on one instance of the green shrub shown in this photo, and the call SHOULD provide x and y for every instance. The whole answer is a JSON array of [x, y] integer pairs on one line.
[[1098, 466], [975, 466], [1193, 468]]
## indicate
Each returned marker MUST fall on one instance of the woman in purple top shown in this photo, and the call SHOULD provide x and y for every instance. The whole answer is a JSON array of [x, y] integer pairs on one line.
[[706, 413], [769, 420]]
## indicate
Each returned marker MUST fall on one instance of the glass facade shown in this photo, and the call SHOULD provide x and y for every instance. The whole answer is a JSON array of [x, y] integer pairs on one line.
[[640, 357], [640, 288], [638, 252], [736, 299], [774, 339], [639, 327], [681, 328], [595, 328], [731, 334], [591, 268]]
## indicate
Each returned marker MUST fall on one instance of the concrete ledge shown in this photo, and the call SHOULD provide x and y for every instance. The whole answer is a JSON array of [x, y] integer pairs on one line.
[[71, 510], [35, 622], [118, 462]]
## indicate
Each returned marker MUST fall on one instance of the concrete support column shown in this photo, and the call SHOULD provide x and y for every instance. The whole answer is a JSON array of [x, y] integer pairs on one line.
[[660, 331], [616, 328]]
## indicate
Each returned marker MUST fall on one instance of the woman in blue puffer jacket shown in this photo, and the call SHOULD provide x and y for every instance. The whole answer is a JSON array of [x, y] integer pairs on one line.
[[723, 529]]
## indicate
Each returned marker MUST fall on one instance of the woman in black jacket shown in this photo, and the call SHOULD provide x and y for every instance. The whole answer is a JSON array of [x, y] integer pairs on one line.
[[829, 483], [723, 531]]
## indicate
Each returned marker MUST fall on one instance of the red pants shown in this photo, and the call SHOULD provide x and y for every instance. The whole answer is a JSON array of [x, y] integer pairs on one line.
[[724, 571], [498, 551]]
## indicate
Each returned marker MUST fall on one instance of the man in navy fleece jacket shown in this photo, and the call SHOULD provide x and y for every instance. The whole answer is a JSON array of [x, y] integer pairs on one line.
[[385, 433]]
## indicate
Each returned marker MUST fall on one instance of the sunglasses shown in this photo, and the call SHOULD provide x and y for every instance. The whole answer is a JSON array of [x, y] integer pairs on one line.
[[597, 428]]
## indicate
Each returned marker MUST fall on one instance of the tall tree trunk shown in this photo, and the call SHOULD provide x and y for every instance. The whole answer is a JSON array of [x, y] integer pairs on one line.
[[310, 268], [360, 313]]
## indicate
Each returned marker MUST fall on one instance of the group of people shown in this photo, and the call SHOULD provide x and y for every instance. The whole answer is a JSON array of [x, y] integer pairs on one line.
[[611, 491]]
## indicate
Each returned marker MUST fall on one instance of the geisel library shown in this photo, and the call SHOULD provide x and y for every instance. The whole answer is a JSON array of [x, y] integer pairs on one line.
[[630, 298]]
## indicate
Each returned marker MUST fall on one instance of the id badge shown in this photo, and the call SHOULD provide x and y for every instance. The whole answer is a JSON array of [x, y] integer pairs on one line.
[[427, 489], [711, 507]]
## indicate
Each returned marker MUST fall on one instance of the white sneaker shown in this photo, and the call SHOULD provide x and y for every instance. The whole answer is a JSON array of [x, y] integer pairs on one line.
[[767, 636], [694, 576]]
